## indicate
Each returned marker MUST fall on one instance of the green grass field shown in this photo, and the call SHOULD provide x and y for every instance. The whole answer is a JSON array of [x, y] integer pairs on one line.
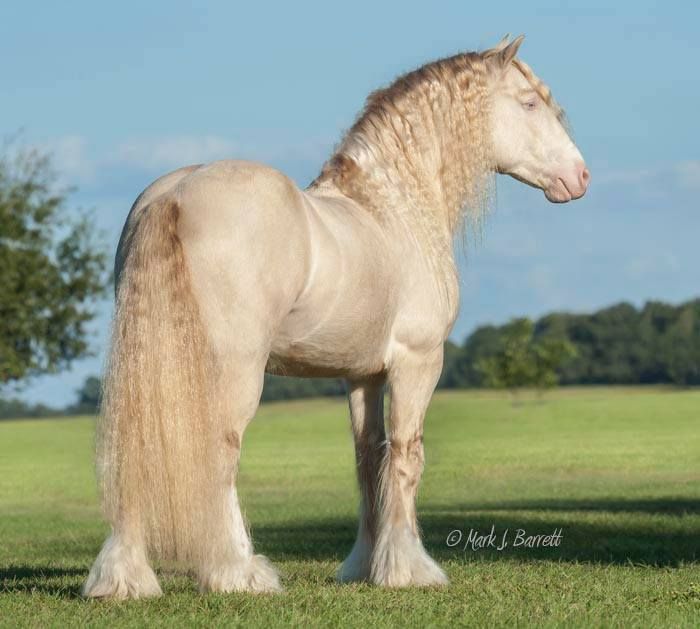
[[618, 470]]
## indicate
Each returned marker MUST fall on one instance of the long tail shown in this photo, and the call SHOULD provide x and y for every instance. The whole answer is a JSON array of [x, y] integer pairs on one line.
[[157, 439]]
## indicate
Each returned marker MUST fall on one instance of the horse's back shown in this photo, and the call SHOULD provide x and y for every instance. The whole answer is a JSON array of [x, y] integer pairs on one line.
[[237, 196]]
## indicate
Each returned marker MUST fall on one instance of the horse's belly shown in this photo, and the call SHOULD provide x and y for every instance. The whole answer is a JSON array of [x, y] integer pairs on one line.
[[310, 362], [341, 348], [344, 337]]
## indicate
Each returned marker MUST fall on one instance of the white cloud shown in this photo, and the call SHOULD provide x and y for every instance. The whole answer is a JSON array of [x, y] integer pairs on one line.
[[71, 158], [652, 263], [78, 162], [689, 173], [173, 152], [684, 174]]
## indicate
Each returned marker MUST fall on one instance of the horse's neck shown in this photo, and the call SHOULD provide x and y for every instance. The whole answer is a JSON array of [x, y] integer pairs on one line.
[[415, 170], [426, 155]]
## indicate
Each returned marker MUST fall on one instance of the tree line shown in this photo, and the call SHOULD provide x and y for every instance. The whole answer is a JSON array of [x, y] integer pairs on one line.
[[53, 275], [656, 344]]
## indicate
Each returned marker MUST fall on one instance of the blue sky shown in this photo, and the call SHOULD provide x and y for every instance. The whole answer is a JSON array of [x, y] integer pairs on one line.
[[123, 92]]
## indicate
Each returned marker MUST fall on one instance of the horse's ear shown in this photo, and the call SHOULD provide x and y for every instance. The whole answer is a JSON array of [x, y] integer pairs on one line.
[[498, 47], [508, 52], [501, 44]]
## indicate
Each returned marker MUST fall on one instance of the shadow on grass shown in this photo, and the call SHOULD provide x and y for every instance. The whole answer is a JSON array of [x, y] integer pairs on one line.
[[610, 531], [44, 579], [606, 531], [658, 506]]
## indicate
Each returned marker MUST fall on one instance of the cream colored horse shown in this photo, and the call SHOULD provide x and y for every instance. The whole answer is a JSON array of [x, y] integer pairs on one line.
[[227, 270]]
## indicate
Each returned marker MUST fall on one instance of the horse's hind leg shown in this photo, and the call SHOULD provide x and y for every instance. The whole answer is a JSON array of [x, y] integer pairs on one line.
[[230, 564], [366, 399], [399, 558], [121, 570]]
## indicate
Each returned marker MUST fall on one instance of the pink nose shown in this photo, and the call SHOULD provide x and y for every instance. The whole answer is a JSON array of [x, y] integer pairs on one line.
[[570, 183]]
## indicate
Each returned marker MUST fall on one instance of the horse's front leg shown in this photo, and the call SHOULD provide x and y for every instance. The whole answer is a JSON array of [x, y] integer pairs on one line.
[[399, 558], [366, 399]]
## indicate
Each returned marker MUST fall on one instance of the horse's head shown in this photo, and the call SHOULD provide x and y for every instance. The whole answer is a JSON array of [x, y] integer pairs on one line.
[[530, 139]]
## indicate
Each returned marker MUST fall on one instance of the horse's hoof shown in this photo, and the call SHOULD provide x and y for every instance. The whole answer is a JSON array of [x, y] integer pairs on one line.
[[403, 562], [255, 574], [120, 572]]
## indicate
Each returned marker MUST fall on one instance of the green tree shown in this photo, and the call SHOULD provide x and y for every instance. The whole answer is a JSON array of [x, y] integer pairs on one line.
[[512, 366], [525, 360], [52, 271], [680, 346], [462, 363], [451, 355], [89, 396], [549, 355], [289, 388]]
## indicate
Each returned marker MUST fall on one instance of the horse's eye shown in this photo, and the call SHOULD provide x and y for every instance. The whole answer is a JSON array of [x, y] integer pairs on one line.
[[530, 104]]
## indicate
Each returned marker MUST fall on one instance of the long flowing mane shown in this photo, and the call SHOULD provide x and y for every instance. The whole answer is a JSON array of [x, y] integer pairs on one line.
[[423, 144]]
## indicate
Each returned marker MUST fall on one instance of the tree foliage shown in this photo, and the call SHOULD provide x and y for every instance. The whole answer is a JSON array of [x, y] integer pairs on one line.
[[522, 360], [657, 344], [51, 271], [89, 397], [285, 388]]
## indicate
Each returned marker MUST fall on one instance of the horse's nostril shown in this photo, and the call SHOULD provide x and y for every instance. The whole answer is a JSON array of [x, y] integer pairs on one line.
[[585, 176]]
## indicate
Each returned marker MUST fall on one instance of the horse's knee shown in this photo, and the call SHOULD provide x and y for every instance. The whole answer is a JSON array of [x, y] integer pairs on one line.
[[406, 460], [409, 452]]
